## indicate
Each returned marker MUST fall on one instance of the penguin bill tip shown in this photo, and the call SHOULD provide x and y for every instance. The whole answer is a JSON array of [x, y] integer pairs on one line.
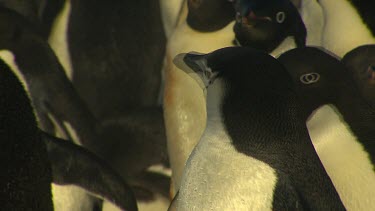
[[189, 63]]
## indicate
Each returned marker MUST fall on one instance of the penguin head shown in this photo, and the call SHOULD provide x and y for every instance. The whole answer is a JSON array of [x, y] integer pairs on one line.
[[240, 72], [264, 24], [319, 76], [209, 15], [361, 64]]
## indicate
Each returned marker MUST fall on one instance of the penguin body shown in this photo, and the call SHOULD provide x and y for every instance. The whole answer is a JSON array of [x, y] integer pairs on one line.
[[248, 156], [353, 15], [111, 63], [184, 104], [339, 122], [117, 72]]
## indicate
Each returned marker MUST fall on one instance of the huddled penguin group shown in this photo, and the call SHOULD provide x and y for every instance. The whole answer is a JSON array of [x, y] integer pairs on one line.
[[248, 105]]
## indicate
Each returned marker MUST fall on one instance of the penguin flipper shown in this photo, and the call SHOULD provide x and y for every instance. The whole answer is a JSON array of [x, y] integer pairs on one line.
[[74, 165]]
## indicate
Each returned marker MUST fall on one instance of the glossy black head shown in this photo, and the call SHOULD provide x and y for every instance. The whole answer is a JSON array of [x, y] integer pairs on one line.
[[319, 77], [209, 15], [264, 24], [361, 65], [249, 71]]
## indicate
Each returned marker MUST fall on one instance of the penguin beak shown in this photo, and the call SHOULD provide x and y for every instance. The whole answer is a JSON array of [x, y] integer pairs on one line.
[[250, 19], [193, 64]]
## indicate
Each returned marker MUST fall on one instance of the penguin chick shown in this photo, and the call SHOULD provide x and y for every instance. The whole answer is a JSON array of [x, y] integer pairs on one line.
[[255, 153], [264, 24], [339, 120]]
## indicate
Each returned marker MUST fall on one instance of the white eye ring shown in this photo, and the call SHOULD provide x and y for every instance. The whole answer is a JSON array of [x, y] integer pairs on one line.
[[280, 17]]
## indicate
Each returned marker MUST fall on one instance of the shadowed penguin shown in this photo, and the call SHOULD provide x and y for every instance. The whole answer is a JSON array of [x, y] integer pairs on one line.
[[184, 104], [25, 181], [57, 105], [117, 72], [348, 24], [70, 163], [339, 119], [255, 153]]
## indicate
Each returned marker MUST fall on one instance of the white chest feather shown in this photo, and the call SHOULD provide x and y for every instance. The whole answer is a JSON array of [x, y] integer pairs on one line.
[[58, 39], [184, 103], [217, 177], [344, 28], [344, 159]]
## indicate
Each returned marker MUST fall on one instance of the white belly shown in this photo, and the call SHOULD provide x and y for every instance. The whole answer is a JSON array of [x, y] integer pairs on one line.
[[344, 159], [217, 177]]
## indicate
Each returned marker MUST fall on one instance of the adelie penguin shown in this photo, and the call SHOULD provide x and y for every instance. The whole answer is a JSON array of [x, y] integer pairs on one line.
[[340, 117], [34, 159], [184, 104], [255, 153], [348, 24]]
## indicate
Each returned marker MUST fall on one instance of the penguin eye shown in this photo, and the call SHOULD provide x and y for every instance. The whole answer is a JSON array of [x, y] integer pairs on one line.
[[280, 17]]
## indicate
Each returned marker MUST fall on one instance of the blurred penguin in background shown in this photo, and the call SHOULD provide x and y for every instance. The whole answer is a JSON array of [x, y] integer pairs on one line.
[[113, 54]]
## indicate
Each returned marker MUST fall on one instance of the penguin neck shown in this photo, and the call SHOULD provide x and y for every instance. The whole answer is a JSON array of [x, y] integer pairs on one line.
[[343, 30], [214, 99]]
